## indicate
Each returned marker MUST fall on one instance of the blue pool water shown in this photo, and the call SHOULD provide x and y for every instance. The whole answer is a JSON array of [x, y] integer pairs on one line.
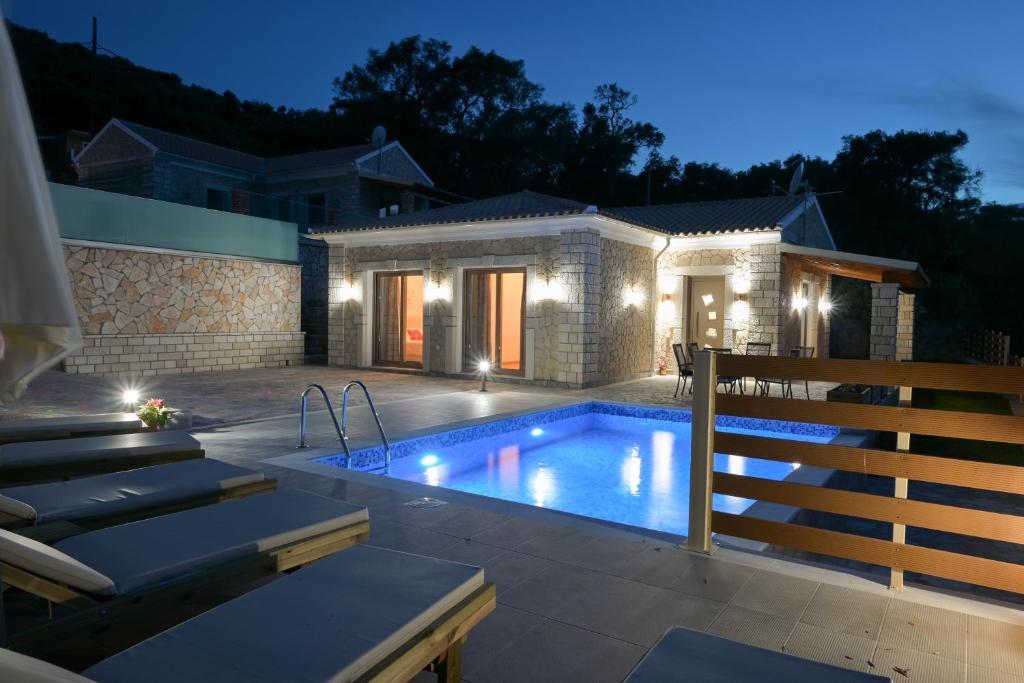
[[624, 464]]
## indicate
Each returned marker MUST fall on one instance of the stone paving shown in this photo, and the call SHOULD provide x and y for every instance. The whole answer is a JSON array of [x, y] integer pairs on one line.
[[579, 600]]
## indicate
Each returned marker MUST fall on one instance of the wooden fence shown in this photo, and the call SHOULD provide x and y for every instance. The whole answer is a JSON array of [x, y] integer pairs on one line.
[[987, 346], [900, 464]]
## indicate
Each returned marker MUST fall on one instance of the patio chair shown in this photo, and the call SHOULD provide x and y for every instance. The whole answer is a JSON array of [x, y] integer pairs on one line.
[[803, 352], [730, 382], [684, 654], [757, 349], [685, 366], [99, 577], [786, 385], [36, 461], [56, 510], [365, 614], [68, 426]]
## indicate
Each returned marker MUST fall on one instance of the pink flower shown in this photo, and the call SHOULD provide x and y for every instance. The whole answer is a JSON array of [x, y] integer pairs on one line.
[[155, 402]]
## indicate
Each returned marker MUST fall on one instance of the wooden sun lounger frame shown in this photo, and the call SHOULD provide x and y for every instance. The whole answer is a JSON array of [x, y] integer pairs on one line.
[[438, 647], [93, 614], [51, 532], [62, 471]]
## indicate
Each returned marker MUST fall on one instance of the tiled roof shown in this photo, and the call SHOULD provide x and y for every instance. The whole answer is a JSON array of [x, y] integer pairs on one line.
[[695, 218], [191, 148], [523, 204]]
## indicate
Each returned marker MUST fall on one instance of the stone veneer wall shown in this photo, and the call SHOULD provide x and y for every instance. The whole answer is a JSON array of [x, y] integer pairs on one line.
[[884, 320], [905, 327], [149, 312], [794, 275], [313, 257], [626, 329]]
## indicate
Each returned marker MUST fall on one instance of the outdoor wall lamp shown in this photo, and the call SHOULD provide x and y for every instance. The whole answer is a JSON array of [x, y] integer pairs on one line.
[[632, 296], [547, 289], [437, 290], [741, 286], [824, 306], [799, 302], [348, 292]]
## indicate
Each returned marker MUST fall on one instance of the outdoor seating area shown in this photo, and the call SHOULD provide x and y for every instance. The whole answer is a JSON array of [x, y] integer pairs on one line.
[[684, 355]]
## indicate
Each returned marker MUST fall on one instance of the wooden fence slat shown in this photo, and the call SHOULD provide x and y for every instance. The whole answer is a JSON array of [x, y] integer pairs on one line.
[[979, 523], [954, 424], [976, 570], [990, 378], [930, 468]]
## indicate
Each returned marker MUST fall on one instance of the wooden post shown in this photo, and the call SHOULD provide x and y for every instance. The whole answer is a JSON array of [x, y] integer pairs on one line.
[[702, 451], [899, 531]]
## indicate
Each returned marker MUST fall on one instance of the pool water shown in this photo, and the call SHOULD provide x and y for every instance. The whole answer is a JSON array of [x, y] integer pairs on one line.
[[625, 464]]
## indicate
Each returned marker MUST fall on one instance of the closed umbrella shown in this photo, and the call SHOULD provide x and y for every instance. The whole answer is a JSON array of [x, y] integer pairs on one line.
[[38, 324]]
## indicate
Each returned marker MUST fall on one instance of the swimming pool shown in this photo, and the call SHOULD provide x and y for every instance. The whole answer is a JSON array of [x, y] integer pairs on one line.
[[620, 463]]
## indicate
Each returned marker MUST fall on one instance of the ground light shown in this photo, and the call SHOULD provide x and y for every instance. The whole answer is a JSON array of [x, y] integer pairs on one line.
[[130, 397], [483, 367]]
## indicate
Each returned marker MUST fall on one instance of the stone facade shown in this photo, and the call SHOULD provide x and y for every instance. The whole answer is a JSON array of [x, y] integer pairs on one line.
[[884, 319], [578, 341], [151, 312], [794, 277], [905, 327], [313, 259], [626, 311]]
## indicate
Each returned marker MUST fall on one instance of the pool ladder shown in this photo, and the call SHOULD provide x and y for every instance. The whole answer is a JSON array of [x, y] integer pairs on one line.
[[340, 427]]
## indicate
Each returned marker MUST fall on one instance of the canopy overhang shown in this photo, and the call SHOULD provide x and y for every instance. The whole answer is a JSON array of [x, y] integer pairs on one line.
[[907, 274]]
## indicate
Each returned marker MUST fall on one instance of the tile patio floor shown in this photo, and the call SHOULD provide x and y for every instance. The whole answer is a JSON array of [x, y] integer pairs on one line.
[[581, 601]]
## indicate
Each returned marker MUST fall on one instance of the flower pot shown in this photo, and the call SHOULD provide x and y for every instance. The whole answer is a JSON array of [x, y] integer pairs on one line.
[[849, 393]]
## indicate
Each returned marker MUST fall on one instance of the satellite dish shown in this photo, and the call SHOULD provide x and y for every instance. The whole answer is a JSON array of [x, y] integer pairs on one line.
[[378, 136], [798, 178]]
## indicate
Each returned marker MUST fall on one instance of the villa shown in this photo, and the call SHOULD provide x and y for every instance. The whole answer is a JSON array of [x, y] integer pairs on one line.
[[557, 292]]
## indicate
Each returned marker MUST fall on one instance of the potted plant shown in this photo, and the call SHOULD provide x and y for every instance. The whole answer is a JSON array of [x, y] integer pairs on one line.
[[154, 414], [662, 367], [850, 393]]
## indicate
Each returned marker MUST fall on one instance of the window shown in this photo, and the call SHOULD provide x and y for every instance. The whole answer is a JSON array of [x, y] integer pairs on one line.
[[398, 319], [315, 210], [494, 312], [217, 199]]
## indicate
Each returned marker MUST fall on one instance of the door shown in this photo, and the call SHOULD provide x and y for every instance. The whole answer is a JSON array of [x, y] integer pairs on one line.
[[707, 312], [398, 319], [494, 311]]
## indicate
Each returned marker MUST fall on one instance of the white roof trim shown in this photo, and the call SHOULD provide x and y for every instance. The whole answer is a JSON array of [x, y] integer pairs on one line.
[[391, 145], [878, 261], [727, 240], [812, 201], [118, 124]]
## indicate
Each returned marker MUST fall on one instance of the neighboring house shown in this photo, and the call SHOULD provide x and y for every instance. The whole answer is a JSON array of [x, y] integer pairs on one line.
[[554, 291], [325, 187]]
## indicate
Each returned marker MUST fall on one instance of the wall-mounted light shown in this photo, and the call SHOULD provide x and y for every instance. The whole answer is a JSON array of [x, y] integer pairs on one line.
[[437, 288], [348, 291], [740, 311], [668, 283], [547, 289], [799, 302], [741, 285], [824, 305], [632, 296]]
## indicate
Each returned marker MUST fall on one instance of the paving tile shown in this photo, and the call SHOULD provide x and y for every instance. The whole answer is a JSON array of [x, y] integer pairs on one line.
[[409, 539], [509, 568], [556, 546], [713, 579], [553, 587], [831, 647], [558, 653], [924, 628], [660, 566], [501, 629], [995, 645], [469, 552], [776, 594], [920, 667], [611, 606], [518, 530], [752, 627], [977, 674], [644, 624], [849, 611], [607, 554]]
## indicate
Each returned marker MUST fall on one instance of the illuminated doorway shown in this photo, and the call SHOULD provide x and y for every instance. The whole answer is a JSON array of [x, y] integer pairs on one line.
[[398, 319], [494, 311]]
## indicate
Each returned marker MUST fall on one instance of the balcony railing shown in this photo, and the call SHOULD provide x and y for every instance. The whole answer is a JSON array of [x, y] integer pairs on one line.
[[901, 465]]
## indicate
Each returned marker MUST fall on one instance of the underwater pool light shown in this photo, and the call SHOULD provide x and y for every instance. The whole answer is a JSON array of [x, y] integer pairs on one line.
[[536, 431], [429, 460]]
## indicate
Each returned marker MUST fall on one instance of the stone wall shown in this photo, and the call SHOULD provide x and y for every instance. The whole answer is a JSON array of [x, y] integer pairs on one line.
[[626, 325], [884, 320], [578, 346], [794, 274], [313, 259], [158, 312], [905, 327], [764, 321]]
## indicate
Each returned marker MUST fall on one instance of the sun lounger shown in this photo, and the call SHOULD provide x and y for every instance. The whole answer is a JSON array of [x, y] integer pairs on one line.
[[68, 426], [367, 614], [64, 508], [35, 461], [683, 654], [133, 567]]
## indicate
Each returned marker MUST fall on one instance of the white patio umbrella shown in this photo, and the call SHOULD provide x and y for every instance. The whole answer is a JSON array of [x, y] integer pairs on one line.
[[38, 325]]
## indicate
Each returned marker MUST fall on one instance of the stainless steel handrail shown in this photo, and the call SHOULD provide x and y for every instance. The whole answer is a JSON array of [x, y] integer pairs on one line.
[[376, 418], [330, 409]]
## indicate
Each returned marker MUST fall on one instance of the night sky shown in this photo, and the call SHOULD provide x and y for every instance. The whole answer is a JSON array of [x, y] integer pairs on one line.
[[729, 82]]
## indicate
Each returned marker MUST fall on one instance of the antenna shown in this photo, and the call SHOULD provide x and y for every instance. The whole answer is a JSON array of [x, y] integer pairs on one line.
[[798, 179], [377, 137]]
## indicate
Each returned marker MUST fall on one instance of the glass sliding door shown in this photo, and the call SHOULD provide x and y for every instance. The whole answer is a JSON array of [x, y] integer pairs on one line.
[[398, 319], [493, 319]]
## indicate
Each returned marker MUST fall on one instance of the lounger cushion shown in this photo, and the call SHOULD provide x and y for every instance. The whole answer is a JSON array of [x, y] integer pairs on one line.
[[18, 668], [329, 621], [121, 492], [704, 658], [84, 449], [143, 553], [50, 563], [57, 427]]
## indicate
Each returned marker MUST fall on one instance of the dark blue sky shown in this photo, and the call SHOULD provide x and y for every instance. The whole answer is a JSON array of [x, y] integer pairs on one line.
[[731, 82]]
